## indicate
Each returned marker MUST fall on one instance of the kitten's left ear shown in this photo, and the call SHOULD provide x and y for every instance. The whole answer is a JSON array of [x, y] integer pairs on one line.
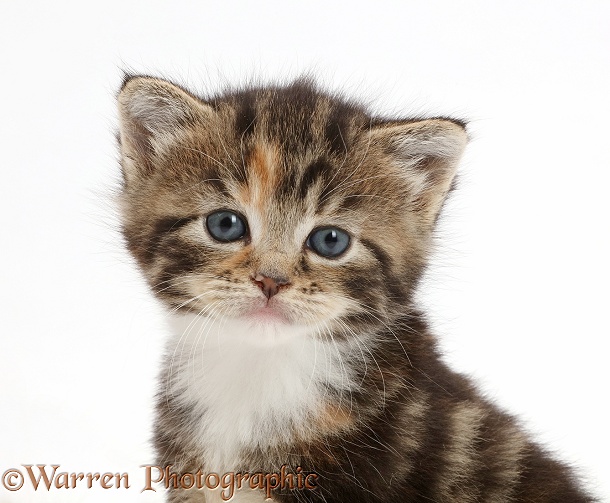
[[152, 113], [428, 152]]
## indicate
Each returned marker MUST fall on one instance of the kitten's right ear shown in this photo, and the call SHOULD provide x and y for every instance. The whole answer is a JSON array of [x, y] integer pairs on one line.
[[428, 151], [152, 113]]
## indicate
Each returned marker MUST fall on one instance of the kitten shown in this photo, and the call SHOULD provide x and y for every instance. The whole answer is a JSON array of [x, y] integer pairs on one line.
[[286, 229]]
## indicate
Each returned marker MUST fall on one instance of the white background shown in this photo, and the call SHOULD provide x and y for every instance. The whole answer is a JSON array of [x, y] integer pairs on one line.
[[518, 291]]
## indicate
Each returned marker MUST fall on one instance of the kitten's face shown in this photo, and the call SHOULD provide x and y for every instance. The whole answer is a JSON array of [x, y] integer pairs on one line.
[[280, 206]]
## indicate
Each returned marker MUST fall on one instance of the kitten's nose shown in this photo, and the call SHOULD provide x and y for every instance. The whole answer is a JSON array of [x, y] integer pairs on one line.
[[270, 286]]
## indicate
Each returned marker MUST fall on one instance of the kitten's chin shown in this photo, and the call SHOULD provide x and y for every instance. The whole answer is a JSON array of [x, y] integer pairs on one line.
[[265, 329], [259, 326]]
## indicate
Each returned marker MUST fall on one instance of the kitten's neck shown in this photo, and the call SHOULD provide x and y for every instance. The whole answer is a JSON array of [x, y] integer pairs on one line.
[[259, 386]]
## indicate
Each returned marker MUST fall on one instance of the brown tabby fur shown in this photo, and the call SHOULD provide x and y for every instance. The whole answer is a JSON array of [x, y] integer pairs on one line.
[[415, 431]]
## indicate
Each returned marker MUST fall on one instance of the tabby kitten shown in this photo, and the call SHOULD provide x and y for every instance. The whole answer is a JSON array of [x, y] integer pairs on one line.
[[286, 230]]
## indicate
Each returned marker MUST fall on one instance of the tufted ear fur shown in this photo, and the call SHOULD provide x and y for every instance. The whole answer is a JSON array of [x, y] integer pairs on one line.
[[152, 113], [428, 152]]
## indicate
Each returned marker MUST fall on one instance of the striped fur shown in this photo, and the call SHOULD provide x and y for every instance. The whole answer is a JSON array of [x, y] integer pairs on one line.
[[343, 377]]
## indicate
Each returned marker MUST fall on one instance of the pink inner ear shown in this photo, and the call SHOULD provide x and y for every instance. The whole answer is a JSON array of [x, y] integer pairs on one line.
[[428, 152], [151, 112]]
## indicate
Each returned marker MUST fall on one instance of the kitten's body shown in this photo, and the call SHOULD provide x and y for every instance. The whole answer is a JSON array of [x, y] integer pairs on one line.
[[283, 355]]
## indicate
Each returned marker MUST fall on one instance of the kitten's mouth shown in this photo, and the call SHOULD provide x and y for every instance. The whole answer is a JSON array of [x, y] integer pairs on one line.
[[267, 312]]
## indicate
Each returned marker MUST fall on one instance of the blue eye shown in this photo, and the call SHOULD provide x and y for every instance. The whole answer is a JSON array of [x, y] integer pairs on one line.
[[225, 226], [328, 242]]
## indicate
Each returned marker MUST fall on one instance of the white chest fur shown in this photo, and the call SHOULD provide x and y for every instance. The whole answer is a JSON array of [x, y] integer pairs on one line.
[[253, 385]]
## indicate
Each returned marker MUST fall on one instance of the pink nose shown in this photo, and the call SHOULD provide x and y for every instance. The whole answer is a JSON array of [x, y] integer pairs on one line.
[[270, 286]]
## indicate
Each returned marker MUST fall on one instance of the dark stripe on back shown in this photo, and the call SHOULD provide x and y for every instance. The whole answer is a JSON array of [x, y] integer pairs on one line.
[[429, 463], [494, 440]]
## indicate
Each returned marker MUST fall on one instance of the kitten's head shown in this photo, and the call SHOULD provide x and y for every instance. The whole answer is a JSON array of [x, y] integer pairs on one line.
[[280, 205]]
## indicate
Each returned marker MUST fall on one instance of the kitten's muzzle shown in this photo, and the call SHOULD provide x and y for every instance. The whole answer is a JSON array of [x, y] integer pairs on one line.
[[270, 286]]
